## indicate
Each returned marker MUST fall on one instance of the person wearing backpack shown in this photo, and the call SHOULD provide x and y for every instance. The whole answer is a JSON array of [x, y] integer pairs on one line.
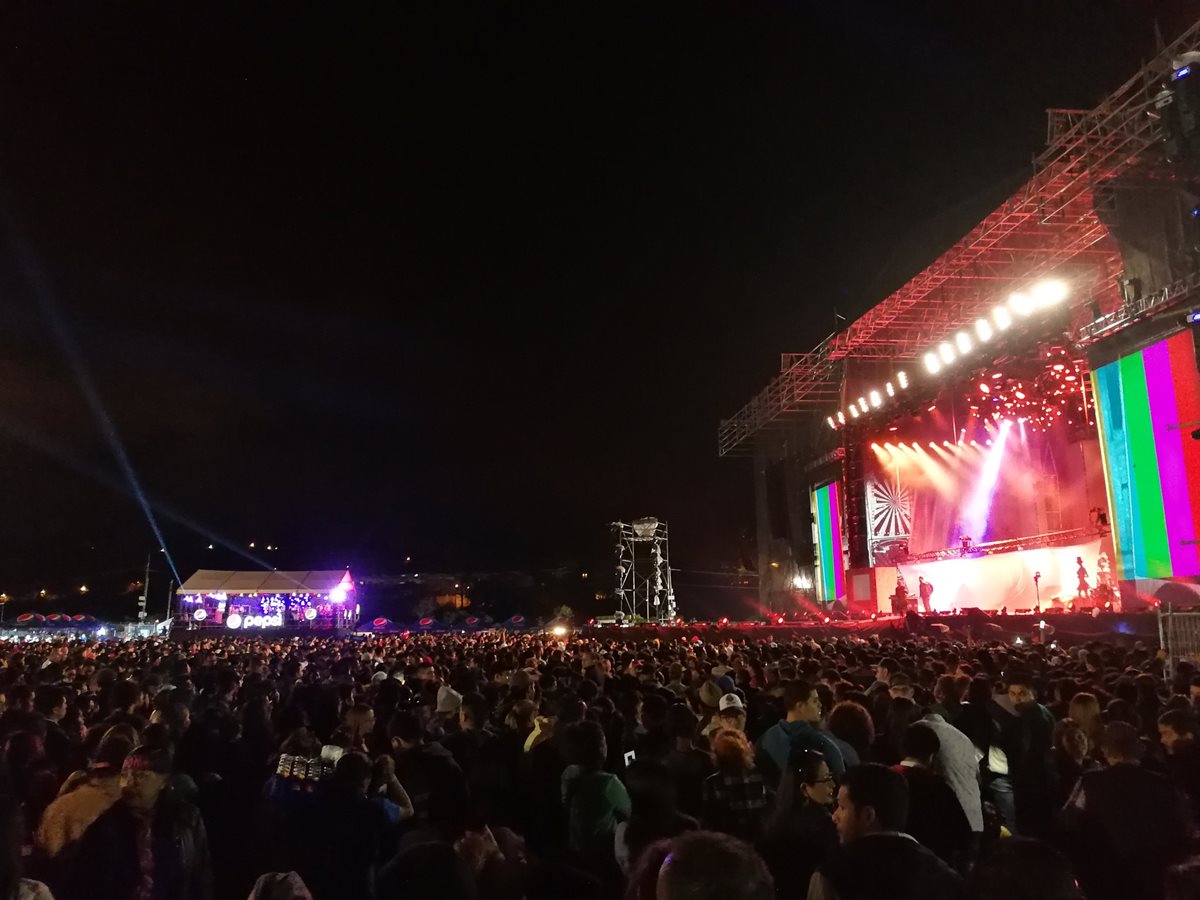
[[799, 731]]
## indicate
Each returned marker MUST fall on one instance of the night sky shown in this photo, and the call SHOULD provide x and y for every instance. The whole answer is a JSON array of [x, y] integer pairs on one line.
[[464, 282]]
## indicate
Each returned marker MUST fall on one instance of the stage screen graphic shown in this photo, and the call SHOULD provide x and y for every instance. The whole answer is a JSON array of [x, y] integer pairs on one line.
[[1148, 404], [827, 525]]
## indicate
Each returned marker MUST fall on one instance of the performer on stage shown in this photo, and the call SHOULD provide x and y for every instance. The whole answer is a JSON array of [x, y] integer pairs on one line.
[[1082, 590], [925, 591]]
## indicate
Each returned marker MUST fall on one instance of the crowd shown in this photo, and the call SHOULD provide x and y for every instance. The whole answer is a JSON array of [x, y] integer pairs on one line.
[[506, 766]]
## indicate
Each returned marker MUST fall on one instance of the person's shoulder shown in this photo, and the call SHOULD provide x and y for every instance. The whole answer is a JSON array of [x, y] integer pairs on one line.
[[28, 889]]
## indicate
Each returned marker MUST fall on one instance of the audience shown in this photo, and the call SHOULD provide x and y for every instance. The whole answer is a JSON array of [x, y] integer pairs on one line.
[[506, 766]]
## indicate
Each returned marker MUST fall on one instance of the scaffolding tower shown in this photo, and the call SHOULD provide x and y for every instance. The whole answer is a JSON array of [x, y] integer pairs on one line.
[[643, 570]]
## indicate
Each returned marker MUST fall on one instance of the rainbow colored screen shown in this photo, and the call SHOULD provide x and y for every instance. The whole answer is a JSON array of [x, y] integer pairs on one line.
[[827, 514], [1148, 404]]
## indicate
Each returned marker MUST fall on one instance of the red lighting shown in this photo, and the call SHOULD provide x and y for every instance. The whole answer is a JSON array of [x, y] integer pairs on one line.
[[779, 620], [996, 375], [983, 386], [827, 620], [932, 408], [894, 428], [874, 616], [724, 620]]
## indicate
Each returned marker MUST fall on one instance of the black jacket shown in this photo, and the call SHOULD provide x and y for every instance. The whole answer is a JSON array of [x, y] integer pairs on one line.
[[1133, 824], [104, 864], [890, 866]]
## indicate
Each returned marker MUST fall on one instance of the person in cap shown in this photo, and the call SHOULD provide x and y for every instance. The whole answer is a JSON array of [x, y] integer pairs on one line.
[[731, 713], [149, 844]]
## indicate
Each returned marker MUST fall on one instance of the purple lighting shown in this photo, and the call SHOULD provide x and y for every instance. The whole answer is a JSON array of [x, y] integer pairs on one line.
[[975, 516]]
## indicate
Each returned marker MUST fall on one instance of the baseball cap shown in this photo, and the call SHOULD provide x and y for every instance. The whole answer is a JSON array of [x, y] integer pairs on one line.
[[730, 701]]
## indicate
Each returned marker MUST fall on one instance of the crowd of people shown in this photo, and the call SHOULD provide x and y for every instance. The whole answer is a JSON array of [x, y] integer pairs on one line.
[[507, 766]]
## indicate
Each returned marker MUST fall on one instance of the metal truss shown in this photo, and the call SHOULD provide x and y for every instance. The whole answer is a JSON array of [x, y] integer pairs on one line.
[[1050, 224]]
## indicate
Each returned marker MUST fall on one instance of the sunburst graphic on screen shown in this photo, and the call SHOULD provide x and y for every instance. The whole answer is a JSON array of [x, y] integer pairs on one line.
[[891, 509]]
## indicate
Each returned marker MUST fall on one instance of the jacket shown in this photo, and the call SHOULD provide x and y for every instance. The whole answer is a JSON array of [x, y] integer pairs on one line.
[[885, 866], [104, 864], [779, 740]]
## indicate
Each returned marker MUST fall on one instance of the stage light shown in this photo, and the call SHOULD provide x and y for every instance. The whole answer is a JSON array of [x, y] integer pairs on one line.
[[946, 352], [841, 417], [1001, 317], [832, 424], [902, 379], [1181, 72], [779, 620], [862, 404], [338, 594], [932, 407], [932, 364], [1192, 317], [963, 341], [1020, 303], [724, 620], [559, 631], [876, 400], [985, 387], [983, 330], [997, 375], [1050, 292], [1020, 395], [891, 391], [854, 412], [827, 620]]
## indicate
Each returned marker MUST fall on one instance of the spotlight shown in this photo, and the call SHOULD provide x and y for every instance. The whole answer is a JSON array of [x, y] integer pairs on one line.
[[1001, 317], [963, 342], [891, 391], [854, 412], [983, 330], [832, 424], [841, 417], [902, 380], [1050, 292], [996, 375], [932, 364], [862, 403], [1020, 303], [985, 387], [946, 352], [875, 399]]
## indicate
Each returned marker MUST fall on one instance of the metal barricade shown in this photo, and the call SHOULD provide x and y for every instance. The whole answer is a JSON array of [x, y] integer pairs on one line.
[[1179, 635]]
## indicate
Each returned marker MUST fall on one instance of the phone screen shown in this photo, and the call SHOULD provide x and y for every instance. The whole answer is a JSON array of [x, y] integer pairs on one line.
[[630, 756]]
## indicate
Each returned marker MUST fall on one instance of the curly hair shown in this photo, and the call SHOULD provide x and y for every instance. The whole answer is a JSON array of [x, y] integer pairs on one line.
[[732, 750]]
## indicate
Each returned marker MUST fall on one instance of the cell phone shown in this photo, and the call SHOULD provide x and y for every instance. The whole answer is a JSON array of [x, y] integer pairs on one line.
[[630, 756]]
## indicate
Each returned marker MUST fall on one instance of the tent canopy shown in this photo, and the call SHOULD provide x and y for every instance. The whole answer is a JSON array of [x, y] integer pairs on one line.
[[212, 581]]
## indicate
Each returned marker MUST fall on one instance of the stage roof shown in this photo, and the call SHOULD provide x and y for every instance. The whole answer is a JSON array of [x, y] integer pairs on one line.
[[211, 581], [1049, 226]]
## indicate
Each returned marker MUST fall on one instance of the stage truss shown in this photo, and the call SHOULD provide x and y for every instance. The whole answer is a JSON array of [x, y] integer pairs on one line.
[[643, 570], [1050, 224]]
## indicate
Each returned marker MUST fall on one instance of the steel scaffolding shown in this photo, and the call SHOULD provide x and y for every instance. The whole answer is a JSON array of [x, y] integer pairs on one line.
[[1050, 224]]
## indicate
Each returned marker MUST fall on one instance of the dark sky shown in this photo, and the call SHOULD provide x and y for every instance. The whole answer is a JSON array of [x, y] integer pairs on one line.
[[466, 282]]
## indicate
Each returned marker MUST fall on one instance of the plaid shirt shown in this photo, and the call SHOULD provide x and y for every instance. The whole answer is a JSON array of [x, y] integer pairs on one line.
[[736, 803]]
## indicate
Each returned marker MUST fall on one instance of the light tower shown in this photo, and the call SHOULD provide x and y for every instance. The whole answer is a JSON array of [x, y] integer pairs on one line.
[[643, 570]]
